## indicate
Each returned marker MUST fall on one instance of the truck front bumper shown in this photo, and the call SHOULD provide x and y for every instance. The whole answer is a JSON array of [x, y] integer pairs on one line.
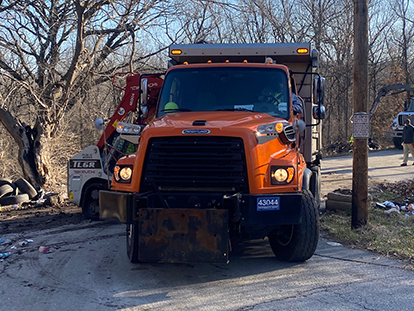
[[391, 134], [249, 210]]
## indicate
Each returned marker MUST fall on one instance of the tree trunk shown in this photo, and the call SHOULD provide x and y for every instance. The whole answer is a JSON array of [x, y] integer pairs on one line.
[[32, 143]]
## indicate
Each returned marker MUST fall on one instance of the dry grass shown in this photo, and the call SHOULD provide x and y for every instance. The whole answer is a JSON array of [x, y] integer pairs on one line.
[[390, 235]]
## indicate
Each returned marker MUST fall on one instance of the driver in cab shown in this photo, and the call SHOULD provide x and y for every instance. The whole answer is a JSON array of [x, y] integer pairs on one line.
[[276, 97]]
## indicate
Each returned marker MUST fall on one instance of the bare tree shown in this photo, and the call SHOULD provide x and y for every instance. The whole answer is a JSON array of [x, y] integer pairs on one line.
[[49, 51], [404, 38]]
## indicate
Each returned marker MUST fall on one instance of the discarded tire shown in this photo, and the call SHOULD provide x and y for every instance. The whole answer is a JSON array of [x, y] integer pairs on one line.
[[25, 187], [6, 189], [14, 199], [5, 181], [339, 201], [334, 196], [16, 189], [338, 205]]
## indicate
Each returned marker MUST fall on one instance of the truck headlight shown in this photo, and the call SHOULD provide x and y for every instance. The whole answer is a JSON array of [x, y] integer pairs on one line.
[[281, 175], [123, 174], [128, 128], [283, 130], [270, 129]]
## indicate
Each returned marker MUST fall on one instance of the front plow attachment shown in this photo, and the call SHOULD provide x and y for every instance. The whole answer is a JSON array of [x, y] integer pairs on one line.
[[183, 235]]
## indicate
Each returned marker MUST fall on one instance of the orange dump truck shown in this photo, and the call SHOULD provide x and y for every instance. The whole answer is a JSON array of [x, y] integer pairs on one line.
[[234, 151]]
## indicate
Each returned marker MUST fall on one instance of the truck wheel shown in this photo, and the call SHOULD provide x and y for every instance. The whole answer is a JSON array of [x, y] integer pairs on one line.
[[397, 142], [90, 205], [315, 185], [132, 242], [296, 243]]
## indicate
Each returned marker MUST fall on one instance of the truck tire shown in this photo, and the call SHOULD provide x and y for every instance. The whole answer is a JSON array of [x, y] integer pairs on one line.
[[132, 242], [15, 199], [25, 187], [397, 142], [315, 185], [90, 204], [297, 243]]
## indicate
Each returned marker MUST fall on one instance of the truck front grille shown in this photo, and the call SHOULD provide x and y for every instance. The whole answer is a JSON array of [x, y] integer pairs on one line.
[[403, 117], [195, 163]]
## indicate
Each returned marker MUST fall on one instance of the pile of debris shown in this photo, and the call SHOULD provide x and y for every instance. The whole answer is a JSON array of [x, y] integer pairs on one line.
[[19, 191], [403, 188], [403, 202], [341, 199], [395, 207], [22, 195]]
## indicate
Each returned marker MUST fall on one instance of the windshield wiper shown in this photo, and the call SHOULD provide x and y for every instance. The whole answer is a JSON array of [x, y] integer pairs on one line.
[[234, 109], [178, 109]]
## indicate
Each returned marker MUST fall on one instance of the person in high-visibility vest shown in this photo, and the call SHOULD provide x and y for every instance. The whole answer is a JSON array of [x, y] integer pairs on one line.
[[275, 97]]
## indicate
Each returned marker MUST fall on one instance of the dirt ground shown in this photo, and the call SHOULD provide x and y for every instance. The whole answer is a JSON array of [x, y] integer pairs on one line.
[[32, 216]]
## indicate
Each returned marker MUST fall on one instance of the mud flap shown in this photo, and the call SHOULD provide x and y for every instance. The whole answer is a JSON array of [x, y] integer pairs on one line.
[[183, 235]]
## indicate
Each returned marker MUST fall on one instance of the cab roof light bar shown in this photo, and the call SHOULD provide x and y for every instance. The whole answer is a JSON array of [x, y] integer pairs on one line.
[[239, 52]]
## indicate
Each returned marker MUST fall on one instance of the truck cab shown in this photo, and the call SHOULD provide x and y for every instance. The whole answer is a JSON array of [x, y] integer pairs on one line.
[[234, 150]]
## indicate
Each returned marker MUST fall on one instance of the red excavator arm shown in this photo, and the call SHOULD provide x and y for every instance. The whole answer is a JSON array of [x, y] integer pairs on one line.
[[130, 101]]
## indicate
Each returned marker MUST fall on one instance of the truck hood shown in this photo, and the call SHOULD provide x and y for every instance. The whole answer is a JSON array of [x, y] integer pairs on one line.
[[213, 119]]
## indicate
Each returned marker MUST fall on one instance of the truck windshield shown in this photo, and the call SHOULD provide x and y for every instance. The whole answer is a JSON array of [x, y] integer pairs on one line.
[[226, 89]]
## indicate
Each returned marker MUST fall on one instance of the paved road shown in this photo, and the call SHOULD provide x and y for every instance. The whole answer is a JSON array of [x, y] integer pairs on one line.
[[383, 166], [88, 270]]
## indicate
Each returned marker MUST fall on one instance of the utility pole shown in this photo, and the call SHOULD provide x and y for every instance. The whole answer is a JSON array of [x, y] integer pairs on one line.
[[360, 118]]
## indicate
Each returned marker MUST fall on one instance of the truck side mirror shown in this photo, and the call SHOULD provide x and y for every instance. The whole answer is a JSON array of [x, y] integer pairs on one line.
[[319, 90], [99, 124], [319, 112]]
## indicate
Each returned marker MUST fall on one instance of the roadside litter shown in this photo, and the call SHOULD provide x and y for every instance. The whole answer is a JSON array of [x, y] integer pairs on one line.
[[5, 241], [22, 243], [5, 255], [7, 247], [395, 207], [341, 199], [44, 249]]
